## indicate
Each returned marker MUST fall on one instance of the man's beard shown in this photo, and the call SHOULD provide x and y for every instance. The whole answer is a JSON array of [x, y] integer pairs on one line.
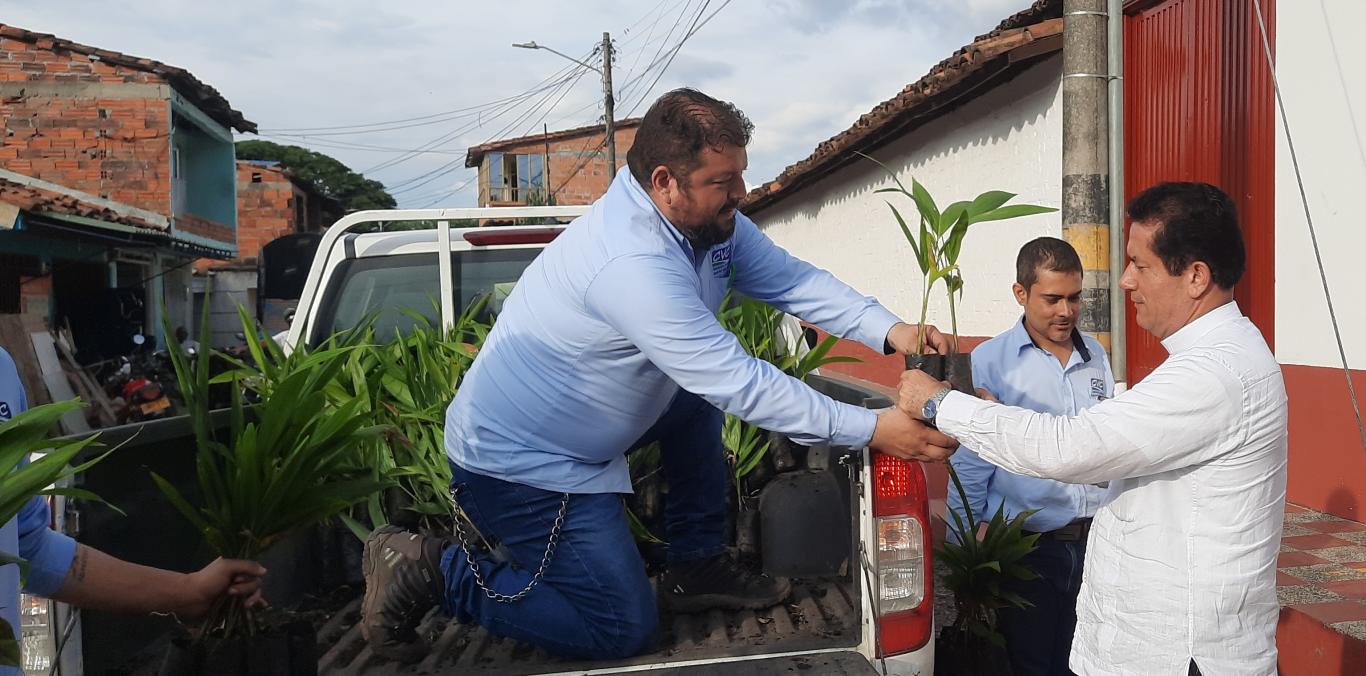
[[713, 231], [707, 235]]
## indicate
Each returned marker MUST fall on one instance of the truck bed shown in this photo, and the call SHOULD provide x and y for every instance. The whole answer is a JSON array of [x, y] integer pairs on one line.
[[821, 615]]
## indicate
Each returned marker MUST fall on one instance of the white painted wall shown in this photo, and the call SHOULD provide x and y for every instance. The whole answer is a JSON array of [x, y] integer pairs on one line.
[[1010, 138], [1321, 67]]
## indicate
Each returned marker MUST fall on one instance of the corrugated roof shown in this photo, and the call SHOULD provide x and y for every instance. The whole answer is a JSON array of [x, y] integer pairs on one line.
[[203, 96], [1017, 42], [476, 153]]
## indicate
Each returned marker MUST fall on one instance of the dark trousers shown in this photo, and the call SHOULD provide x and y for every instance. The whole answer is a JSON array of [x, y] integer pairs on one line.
[[1039, 638], [594, 600]]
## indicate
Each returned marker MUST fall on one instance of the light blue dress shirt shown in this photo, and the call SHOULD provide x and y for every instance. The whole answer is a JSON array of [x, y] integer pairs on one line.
[[612, 319], [1020, 373], [48, 553]]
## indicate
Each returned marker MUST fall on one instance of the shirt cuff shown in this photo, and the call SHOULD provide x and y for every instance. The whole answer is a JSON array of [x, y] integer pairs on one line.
[[49, 563], [872, 331], [956, 412], [856, 427]]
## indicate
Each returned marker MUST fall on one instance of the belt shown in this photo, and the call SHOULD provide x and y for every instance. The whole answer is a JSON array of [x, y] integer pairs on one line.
[[1077, 531]]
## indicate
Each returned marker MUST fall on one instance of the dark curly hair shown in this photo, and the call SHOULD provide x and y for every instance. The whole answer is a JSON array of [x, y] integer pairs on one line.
[[678, 127]]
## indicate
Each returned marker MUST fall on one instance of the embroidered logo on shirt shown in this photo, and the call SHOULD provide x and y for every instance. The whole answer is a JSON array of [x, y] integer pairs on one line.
[[720, 261], [5, 413], [1098, 389]]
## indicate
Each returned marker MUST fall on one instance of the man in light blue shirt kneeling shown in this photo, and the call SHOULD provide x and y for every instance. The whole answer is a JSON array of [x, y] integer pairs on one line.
[[610, 340], [1042, 363]]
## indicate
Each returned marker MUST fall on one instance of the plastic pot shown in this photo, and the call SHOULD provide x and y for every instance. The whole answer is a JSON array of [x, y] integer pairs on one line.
[[955, 368], [958, 652], [747, 530]]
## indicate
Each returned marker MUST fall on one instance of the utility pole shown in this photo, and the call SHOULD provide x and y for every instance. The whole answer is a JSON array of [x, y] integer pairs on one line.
[[608, 103], [1085, 157]]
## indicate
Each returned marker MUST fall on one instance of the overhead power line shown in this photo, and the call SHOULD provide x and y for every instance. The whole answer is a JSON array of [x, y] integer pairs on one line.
[[455, 165], [674, 52], [421, 120], [564, 75], [343, 145], [657, 58]]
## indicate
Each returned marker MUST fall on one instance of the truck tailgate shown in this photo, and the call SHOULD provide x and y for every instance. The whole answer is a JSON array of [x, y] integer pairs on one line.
[[820, 615]]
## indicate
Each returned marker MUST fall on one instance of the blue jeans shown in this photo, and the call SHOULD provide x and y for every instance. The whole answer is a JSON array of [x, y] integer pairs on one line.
[[1039, 638], [594, 601]]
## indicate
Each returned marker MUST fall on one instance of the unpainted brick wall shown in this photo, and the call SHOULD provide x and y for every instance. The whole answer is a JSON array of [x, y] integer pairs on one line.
[[117, 148], [578, 166], [265, 208]]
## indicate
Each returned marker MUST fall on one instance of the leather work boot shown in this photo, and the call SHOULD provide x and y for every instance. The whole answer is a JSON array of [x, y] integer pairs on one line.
[[720, 582], [403, 581]]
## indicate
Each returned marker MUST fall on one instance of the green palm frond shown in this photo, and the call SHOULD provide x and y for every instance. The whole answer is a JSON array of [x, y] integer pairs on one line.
[[939, 243], [978, 568]]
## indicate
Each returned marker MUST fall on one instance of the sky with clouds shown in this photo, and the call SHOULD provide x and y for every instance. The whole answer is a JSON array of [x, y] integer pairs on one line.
[[802, 70]]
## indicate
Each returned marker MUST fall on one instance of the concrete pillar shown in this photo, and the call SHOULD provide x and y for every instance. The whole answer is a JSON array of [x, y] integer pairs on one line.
[[1085, 157]]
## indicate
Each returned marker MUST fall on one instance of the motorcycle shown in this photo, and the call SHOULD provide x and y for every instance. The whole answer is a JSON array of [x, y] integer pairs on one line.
[[138, 396]]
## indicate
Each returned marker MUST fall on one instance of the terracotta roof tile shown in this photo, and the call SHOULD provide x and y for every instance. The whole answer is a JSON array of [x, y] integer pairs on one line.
[[38, 200], [1017, 42]]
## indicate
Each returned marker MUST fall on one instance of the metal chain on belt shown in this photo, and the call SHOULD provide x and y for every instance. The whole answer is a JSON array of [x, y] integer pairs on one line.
[[545, 558]]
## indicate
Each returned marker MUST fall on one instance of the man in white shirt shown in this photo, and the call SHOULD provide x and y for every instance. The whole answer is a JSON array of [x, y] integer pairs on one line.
[[1181, 566]]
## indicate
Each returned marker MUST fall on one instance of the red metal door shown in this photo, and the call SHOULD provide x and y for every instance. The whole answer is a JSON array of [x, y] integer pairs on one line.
[[1198, 106]]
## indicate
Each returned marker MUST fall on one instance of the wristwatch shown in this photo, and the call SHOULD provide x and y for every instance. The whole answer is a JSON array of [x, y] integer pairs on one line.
[[931, 407]]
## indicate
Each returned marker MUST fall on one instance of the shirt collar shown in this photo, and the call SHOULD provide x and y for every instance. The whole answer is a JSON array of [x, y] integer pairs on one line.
[[1189, 335], [627, 184], [1020, 338]]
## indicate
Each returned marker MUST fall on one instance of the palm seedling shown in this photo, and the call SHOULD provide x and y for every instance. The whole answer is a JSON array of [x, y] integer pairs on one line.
[[758, 327], [978, 572], [284, 464], [407, 384], [937, 242]]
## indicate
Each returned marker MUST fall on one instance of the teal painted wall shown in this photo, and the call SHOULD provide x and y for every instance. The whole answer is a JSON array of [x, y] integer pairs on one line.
[[208, 173]]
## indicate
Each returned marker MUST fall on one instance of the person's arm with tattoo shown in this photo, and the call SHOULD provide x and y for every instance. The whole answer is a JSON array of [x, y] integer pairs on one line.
[[99, 581]]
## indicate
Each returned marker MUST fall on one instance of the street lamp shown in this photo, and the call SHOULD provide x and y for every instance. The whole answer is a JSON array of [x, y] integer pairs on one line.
[[533, 45], [607, 101]]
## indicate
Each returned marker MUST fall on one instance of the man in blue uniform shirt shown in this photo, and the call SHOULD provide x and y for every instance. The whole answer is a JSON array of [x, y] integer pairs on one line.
[[62, 569], [610, 340], [1042, 363]]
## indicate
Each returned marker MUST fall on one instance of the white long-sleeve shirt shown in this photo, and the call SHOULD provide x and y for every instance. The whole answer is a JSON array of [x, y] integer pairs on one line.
[[1182, 564]]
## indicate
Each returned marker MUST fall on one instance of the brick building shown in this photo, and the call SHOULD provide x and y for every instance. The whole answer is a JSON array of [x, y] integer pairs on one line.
[[271, 203], [514, 171], [134, 139]]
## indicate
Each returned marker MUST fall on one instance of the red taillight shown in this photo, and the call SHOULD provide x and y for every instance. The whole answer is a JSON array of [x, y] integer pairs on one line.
[[905, 584], [495, 235]]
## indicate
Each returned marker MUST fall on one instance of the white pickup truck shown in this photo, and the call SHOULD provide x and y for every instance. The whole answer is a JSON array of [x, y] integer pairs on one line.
[[871, 612]]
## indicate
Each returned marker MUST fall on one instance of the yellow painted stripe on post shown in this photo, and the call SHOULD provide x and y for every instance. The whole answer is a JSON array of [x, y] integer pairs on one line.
[[1103, 337], [1092, 243]]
